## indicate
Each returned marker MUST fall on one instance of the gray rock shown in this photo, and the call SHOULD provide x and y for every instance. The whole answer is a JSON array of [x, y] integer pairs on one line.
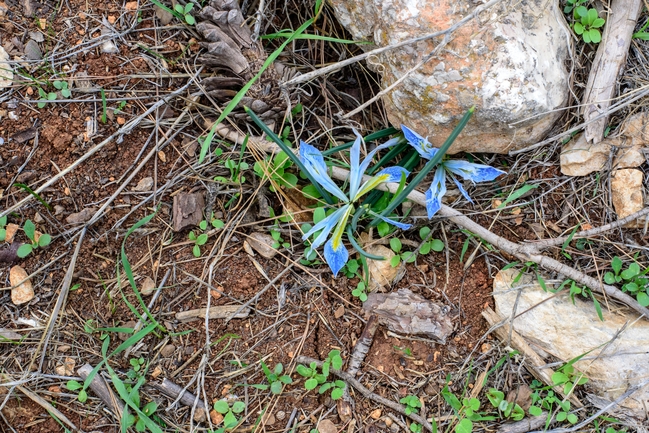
[[80, 217], [614, 360], [508, 63], [33, 51], [144, 185], [627, 194], [6, 71]]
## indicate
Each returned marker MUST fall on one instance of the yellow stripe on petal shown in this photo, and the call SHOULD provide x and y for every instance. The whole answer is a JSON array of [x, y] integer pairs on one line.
[[371, 184], [337, 236]]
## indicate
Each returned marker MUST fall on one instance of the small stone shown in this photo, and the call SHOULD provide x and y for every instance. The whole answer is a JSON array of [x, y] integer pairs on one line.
[[340, 312], [376, 414], [108, 47], [37, 36], [382, 273], [144, 185], [387, 421], [58, 209], [64, 348], [38, 218], [10, 232], [23, 292], [580, 158], [167, 351], [263, 244], [162, 156], [121, 120], [147, 287], [326, 426], [280, 415], [216, 417], [157, 371], [67, 368], [269, 419], [163, 15], [32, 50], [80, 217], [627, 193], [125, 335], [112, 19], [130, 6], [6, 72]]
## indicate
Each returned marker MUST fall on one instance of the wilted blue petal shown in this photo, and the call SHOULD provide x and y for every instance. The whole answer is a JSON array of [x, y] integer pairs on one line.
[[326, 225], [461, 188], [436, 192], [355, 173], [425, 149], [388, 174], [402, 226], [315, 165], [336, 255], [474, 172]]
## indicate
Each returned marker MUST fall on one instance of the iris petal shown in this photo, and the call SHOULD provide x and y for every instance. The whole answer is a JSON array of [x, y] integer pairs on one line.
[[421, 144], [402, 226], [474, 172], [315, 164], [326, 225], [388, 174], [436, 192], [355, 174], [461, 188], [395, 173], [336, 258]]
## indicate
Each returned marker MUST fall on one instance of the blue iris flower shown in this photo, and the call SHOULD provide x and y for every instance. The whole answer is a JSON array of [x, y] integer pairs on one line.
[[451, 168], [335, 252]]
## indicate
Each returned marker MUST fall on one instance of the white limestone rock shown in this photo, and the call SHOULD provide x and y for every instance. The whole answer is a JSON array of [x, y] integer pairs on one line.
[[508, 63], [557, 327], [627, 194]]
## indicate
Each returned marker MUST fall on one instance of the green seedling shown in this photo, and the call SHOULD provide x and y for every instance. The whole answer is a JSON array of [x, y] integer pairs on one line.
[[406, 256], [183, 12], [352, 269], [315, 378], [45, 97], [632, 278], [3, 230], [506, 409], [571, 4], [544, 398], [587, 24], [36, 241], [467, 411], [429, 244], [229, 413], [200, 239], [120, 107], [584, 291], [235, 167], [642, 34], [274, 169], [62, 86], [412, 404], [276, 380], [405, 350]]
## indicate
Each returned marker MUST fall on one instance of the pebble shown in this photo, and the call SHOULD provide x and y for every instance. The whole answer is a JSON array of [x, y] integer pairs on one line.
[[280, 415], [326, 426], [144, 185], [33, 51], [10, 232], [67, 368], [64, 348], [164, 16], [38, 218], [24, 292], [108, 47], [167, 351], [216, 417], [376, 414], [81, 217], [147, 287], [262, 243], [58, 209]]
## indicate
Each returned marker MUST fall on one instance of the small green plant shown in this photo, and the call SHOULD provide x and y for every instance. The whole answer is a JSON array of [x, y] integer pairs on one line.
[[62, 86], [405, 350], [41, 241], [406, 256], [275, 378], [467, 411], [412, 404], [235, 167], [632, 278], [506, 409], [3, 230], [74, 385], [352, 269], [429, 244], [275, 233], [120, 107], [274, 168], [584, 291], [544, 398], [587, 24], [229, 413], [45, 97], [184, 12], [200, 239], [571, 4], [642, 33], [315, 378]]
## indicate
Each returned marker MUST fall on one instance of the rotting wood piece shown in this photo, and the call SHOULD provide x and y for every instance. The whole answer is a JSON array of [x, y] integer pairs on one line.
[[187, 210], [236, 58], [609, 60], [220, 312], [407, 313], [173, 390]]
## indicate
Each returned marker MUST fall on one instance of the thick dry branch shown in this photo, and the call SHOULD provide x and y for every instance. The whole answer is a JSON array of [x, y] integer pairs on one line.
[[187, 398], [101, 389], [609, 60], [397, 407], [219, 312]]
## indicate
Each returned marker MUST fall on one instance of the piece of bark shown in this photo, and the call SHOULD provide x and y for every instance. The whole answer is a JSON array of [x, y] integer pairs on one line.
[[187, 398], [220, 312], [363, 345], [9, 255], [513, 339], [102, 390], [26, 135], [187, 210], [406, 313], [608, 64]]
